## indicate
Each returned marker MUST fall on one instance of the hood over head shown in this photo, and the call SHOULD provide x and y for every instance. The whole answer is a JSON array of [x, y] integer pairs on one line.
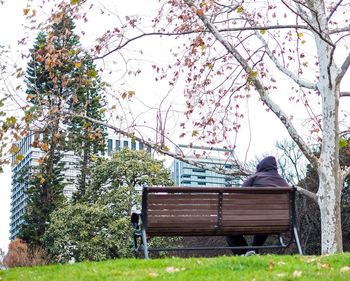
[[267, 164]]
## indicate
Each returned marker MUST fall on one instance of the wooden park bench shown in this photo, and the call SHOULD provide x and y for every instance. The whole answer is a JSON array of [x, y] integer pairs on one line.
[[215, 211]]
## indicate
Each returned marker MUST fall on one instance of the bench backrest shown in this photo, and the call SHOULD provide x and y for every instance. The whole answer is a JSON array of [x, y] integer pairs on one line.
[[186, 211]]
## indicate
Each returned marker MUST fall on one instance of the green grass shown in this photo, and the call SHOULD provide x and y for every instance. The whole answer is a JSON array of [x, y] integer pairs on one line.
[[265, 267]]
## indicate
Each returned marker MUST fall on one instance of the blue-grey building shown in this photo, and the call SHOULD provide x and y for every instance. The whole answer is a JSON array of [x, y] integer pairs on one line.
[[185, 174]]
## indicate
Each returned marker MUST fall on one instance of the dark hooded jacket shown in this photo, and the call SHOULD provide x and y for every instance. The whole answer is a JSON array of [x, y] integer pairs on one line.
[[266, 174]]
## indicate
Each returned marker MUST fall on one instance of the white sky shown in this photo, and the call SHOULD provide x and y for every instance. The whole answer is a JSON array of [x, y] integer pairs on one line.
[[11, 19]]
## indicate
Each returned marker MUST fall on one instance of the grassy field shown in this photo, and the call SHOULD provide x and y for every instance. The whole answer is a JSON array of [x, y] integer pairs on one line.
[[253, 268]]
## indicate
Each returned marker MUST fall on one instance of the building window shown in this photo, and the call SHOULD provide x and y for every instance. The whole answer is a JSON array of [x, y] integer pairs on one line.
[[186, 182], [202, 183], [148, 149], [141, 146], [133, 145], [109, 148], [126, 144], [186, 176], [198, 171], [117, 145], [201, 177]]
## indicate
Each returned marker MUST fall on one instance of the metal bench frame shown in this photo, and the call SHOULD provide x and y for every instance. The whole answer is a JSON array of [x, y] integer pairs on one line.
[[146, 223]]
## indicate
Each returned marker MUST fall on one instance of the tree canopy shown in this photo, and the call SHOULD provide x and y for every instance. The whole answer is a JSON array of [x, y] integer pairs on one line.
[[97, 226]]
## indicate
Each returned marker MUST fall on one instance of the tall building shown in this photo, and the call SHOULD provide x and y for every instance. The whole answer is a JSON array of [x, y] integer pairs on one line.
[[23, 168], [185, 174], [117, 142], [30, 159]]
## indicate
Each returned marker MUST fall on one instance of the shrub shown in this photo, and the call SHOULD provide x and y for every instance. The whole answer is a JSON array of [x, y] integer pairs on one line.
[[20, 255]]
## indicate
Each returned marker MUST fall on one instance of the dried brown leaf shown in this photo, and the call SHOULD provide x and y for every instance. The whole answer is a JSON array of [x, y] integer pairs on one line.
[[345, 269]]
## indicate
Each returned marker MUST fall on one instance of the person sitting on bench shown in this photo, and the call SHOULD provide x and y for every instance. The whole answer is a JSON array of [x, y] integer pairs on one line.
[[266, 175]]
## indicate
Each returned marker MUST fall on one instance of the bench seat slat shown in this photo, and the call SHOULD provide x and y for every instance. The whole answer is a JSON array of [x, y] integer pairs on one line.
[[202, 231]]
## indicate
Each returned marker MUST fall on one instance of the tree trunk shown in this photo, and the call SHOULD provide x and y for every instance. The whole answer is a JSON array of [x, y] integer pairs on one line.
[[329, 196], [330, 180]]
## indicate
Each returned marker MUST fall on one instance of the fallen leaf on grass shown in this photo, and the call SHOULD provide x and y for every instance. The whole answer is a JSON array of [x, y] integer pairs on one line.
[[171, 269], [310, 259], [281, 263], [324, 265], [281, 274], [297, 273], [153, 274], [271, 264], [345, 269]]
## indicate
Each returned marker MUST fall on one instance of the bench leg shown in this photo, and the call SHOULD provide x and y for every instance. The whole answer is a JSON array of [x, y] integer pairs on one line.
[[135, 247], [297, 240], [144, 244]]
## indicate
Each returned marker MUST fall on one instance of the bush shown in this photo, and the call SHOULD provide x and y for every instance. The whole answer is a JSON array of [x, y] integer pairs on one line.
[[20, 255]]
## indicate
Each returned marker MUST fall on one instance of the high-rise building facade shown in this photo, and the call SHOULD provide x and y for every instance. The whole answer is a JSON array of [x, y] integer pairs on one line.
[[185, 174], [23, 168], [30, 160]]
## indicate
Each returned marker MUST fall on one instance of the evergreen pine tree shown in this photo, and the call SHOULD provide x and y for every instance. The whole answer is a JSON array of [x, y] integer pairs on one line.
[[59, 77], [87, 139]]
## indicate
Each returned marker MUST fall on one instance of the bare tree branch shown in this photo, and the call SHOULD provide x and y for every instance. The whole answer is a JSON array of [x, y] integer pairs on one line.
[[244, 28], [164, 150], [344, 68], [307, 193], [302, 15], [283, 69], [345, 94], [259, 87], [334, 10], [339, 30]]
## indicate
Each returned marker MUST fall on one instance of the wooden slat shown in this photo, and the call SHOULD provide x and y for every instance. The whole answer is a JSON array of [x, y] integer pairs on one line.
[[212, 232], [194, 196], [182, 212], [254, 223], [255, 207], [256, 196], [191, 189], [238, 201], [252, 212], [166, 227], [179, 207], [176, 232], [182, 201], [255, 230], [183, 219], [255, 217]]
